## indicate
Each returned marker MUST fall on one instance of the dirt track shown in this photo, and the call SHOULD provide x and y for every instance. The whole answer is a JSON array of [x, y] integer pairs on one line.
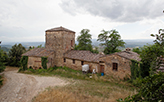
[[22, 87]]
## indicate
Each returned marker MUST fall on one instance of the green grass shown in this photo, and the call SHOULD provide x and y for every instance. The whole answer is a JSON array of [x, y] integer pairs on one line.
[[77, 74]]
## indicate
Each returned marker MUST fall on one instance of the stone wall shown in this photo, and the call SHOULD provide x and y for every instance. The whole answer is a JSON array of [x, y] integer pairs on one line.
[[36, 63], [60, 42], [78, 66], [123, 68]]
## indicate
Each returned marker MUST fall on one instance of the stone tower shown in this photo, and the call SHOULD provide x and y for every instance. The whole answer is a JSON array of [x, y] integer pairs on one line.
[[59, 40]]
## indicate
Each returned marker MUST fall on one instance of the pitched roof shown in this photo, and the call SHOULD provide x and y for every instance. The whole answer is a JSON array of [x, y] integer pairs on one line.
[[83, 55], [59, 29], [39, 52], [129, 55]]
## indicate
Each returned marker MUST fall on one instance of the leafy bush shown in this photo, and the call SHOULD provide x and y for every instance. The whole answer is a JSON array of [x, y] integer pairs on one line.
[[20, 70], [2, 67], [15, 54], [44, 62], [1, 81], [31, 70], [24, 61], [51, 69], [151, 90]]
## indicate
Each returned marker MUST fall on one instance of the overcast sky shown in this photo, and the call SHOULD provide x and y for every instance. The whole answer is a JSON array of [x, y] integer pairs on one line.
[[27, 20]]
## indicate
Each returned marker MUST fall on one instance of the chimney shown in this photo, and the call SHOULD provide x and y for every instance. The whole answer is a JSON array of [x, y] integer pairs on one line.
[[101, 53], [128, 49]]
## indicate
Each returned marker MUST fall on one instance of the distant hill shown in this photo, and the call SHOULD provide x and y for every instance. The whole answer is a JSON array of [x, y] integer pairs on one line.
[[25, 44], [5, 49], [129, 43]]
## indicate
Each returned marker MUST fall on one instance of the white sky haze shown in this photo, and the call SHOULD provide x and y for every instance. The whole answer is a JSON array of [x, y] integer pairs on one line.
[[27, 20]]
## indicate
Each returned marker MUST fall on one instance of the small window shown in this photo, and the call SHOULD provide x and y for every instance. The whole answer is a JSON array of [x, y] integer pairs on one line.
[[64, 60], [73, 61], [115, 66], [82, 62], [71, 43]]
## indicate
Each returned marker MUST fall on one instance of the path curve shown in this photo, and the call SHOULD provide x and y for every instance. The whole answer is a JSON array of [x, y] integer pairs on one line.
[[22, 87]]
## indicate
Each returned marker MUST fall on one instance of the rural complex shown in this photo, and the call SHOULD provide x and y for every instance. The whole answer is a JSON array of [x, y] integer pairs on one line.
[[59, 52]]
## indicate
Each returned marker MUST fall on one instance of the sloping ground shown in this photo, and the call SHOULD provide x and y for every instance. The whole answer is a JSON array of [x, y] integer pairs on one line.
[[22, 87]]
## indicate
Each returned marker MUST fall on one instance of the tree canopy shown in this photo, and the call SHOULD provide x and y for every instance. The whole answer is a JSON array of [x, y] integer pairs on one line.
[[2, 59], [84, 40], [111, 40], [15, 54]]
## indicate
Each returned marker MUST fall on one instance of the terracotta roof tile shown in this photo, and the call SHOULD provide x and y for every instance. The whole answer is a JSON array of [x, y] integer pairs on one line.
[[39, 52], [129, 55], [126, 54], [59, 29], [82, 55]]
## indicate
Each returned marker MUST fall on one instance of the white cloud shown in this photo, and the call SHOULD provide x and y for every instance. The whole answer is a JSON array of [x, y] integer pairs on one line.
[[27, 20], [117, 10]]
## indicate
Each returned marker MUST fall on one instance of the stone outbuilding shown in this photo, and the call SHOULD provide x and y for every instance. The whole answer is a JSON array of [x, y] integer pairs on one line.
[[34, 57], [118, 64]]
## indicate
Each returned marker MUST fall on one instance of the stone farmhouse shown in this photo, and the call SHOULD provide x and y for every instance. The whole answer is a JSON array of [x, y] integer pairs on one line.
[[59, 51]]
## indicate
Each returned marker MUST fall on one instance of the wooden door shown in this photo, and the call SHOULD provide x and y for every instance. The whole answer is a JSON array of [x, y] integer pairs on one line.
[[101, 68]]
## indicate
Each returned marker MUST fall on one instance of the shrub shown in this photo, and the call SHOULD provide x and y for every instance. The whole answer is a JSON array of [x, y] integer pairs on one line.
[[20, 70], [31, 70], [24, 61], [44, 62], [151, 90], [1, 81], [51, 69]]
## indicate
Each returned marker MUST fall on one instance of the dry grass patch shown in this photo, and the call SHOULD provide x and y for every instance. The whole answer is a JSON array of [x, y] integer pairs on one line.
[[85, 91], [10, 68]]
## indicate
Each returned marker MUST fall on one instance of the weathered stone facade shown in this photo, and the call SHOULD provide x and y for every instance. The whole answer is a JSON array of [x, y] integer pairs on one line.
[[77, 64], [36, 63], [60, 40], [122, 65]]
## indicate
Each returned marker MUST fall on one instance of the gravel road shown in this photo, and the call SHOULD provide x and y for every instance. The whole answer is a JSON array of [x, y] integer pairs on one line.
[[22, 87]]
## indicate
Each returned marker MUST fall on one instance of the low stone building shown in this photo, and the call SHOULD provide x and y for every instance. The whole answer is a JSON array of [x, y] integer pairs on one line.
[[75, 59], [34, 57], [59, 51], [118, 64]]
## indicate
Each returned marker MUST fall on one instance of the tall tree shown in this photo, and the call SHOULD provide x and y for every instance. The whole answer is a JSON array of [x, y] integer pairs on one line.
[[111, 40], [149, 54], [84, 40], [2, 67], [15, 54]]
